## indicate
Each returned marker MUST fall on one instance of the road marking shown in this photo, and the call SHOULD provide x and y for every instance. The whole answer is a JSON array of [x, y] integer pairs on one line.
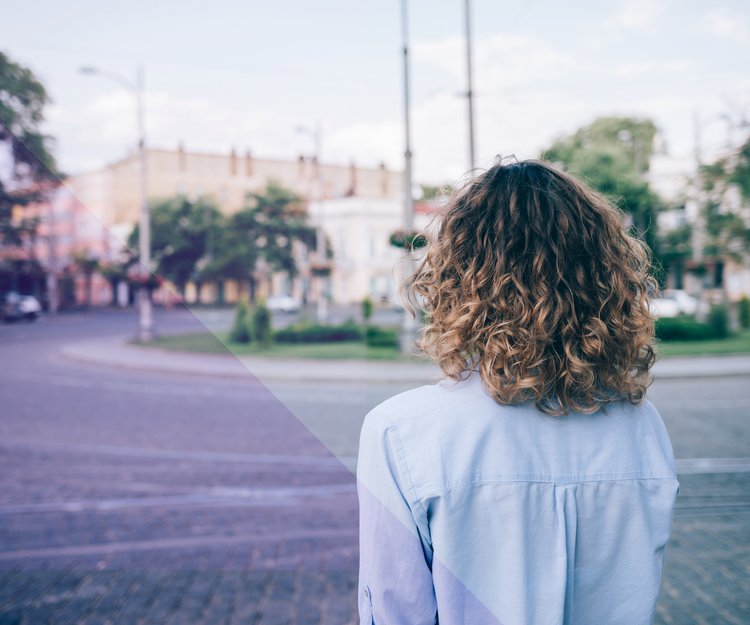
[[178, 454], [217, 496], [261, 393], [699, 466], [345, 533]]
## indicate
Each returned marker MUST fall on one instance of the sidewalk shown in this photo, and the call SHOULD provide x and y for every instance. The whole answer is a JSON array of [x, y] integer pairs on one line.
[[116, 352]]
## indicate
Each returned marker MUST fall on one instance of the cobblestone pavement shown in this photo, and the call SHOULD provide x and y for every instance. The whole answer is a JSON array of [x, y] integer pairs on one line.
[[143, 498]]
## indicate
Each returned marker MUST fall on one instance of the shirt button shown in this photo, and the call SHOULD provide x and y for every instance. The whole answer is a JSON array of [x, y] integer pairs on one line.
[[366, 591]]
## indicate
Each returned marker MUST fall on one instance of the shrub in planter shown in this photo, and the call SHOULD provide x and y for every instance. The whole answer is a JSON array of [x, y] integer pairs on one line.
[[240, 332], [367, 309], [261, 323]]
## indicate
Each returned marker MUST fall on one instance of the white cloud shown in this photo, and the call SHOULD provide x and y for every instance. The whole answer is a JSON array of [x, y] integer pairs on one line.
[[724, 25], [638, 15], [653, 67]]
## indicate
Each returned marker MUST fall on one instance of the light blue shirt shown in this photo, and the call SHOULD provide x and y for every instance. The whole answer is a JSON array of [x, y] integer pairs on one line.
[[476, 513]]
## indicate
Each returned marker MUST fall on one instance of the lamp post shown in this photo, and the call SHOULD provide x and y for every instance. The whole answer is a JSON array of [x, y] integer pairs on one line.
[[469, 85], [320, 245], [145, 316], [409, 324]]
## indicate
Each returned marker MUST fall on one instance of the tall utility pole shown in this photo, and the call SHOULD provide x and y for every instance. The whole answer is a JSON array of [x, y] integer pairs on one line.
[[469, 85], [408, 200], [698, 225], [320, 238], [409, 325], [145, 315]]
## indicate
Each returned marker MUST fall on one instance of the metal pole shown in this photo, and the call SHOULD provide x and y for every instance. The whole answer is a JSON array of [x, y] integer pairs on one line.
[[408, 200], [320, 244], [469, 87], [145, 317], [409, 325], [698, 234]]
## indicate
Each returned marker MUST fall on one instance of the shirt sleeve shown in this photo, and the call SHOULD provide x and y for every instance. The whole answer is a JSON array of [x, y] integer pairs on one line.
[[395, 554]]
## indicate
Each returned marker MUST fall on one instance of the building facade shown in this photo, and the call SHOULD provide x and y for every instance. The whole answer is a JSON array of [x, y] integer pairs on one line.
[[365, 264], [112, 196]]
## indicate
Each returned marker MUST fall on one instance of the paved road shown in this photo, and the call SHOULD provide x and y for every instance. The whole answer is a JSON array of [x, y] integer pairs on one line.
[[130, 497]]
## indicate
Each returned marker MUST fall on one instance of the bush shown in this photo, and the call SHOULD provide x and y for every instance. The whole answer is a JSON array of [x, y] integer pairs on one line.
[[682, 329], [367, 307], [240, 332], [261, 323], [744, 312], [305, 332], [314, 333], [381, 337], [688, 329], [718, 321]]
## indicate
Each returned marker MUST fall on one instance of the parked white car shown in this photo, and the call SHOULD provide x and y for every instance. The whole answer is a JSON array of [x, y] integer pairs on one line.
[[282, 303], [674, 302], [16, 306]]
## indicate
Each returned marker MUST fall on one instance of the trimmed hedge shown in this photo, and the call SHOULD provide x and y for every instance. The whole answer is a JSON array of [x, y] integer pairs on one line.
[[314, 333], [303, 332], [382, 337], [686, 328]]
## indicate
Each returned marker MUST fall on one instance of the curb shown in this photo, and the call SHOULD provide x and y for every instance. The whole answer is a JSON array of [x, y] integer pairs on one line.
[[117, 353]]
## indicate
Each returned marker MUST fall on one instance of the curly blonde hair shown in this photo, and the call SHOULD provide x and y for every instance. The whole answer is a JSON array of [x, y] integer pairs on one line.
[[533, 279]]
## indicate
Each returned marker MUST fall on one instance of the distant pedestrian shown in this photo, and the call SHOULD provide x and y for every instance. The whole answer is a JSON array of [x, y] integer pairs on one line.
[[535, 484]]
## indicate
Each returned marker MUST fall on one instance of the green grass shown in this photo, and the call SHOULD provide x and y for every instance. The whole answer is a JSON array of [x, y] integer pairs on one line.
[[209, 343], [737, 344]]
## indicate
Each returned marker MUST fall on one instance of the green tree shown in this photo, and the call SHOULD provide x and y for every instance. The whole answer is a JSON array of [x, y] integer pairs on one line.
[[240, 332], [727, 233], [114, 273], [431, 192], [88, 266], [261, 323], [367, 309], [22, 101], [183, 232], [613, 154], [264, 228]]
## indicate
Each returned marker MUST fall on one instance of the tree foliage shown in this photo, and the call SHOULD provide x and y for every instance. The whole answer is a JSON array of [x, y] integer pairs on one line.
[[22, 101], [727, 232], [182, 231], [613, 155], [266, 228], [192, 240]]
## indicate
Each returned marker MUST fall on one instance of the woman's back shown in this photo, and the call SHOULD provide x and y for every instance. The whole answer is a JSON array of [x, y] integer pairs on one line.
[[540, 489], [520, 517]]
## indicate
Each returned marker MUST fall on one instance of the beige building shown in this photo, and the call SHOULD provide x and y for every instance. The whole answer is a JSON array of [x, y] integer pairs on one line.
[[364, 262], [112, 195]]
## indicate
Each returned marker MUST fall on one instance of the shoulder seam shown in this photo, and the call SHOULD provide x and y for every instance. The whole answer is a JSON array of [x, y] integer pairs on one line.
[[402, 458]]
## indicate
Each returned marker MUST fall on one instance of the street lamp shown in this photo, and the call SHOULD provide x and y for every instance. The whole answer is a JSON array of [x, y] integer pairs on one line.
[[469, 85], [320, 247], [145, 317], [409, 324]]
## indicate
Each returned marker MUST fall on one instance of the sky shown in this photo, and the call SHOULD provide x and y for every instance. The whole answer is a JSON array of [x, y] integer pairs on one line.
[[249, 74]]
